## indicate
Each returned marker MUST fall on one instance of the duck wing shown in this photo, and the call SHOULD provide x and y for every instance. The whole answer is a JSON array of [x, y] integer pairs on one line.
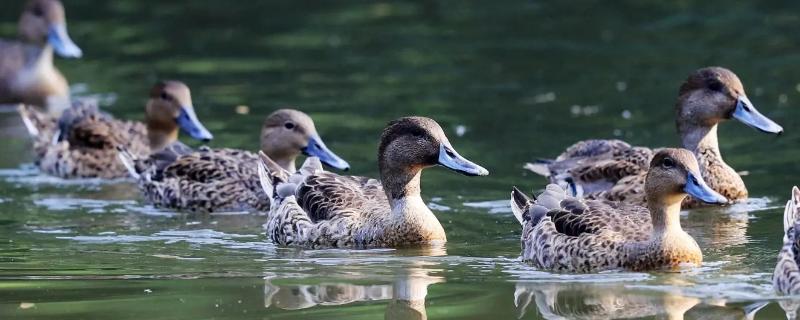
[[205, 180], [84, 126], [87, 141], [325, 195], [314, 208]]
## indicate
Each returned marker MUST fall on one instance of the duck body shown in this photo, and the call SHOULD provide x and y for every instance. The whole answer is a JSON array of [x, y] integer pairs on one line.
[[317, 209], [597, 235], [786, 278], [614, 170], [83, 142], [214, 180], [563, 233], [203, 180]]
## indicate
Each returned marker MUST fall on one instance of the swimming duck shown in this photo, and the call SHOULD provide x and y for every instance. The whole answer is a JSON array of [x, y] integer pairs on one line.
[[211, 180], [83, 141], [27, 73], [614, 170], [563, 233], [786, 278], [313, 208]]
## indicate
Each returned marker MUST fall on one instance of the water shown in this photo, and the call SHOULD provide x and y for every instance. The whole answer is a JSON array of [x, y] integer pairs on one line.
[[508, 81]]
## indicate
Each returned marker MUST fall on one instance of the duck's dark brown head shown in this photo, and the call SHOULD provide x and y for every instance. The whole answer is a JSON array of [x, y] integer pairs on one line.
[[714, 94], [414, 143]]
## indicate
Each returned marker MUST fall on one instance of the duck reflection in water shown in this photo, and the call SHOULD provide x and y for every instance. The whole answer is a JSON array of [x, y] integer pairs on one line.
[[406, 294]]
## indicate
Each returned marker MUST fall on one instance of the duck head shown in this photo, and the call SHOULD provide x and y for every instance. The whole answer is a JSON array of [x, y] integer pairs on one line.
[[714, 94], [43, 21], [411, 144], [673, 174], [170, 109], [287, 133]]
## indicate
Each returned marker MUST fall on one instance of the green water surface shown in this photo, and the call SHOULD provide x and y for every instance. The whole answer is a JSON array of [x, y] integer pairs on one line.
[[509, 81]]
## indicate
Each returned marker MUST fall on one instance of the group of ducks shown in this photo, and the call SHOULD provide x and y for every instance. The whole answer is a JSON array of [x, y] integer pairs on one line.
[[609, 205]]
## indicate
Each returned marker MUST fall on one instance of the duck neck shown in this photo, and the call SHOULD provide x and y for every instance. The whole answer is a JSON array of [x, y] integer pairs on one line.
[[665, 215], [286, 163], [41, 83], [699, 138], [401, 184], [160, 137]]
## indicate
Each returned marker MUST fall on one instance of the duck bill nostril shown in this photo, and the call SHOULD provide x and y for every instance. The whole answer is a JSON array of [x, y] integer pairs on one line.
[[449, 158], [749, 115], [698, 189]]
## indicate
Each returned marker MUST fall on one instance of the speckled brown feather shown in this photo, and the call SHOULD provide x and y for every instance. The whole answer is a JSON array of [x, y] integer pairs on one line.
[[208, 180], [88, 145]]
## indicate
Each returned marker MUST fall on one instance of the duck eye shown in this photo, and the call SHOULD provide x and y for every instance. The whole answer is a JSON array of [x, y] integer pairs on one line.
[[165, 96], [668, 163], [289, 125], [715, 85], [37, 11]]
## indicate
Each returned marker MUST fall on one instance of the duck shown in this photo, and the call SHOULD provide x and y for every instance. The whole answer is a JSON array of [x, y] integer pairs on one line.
[[219, 180], [615, 170], [83, 141], [27, 73], [312, 208], [568, 234]]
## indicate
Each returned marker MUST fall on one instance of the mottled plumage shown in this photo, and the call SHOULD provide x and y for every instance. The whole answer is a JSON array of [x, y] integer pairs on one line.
[[27, 73], [562, 233], [314, 208], [81, 144], [83, 141], [614, 170], [213, 180], [786, 278]]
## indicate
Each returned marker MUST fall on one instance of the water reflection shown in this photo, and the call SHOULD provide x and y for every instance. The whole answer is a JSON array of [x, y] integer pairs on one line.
[[406, 294]]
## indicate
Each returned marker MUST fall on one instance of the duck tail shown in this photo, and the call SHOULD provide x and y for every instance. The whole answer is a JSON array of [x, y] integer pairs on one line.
[[270, 175], [129, 161], [38, 124], [540, 167], [792, 211], [520, 203]]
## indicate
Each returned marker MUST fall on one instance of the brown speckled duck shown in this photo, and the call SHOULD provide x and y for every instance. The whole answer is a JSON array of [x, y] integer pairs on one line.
[[27, 73], [613, 170], [563, 233], [316, 209], [213, 180], [83, 142]]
